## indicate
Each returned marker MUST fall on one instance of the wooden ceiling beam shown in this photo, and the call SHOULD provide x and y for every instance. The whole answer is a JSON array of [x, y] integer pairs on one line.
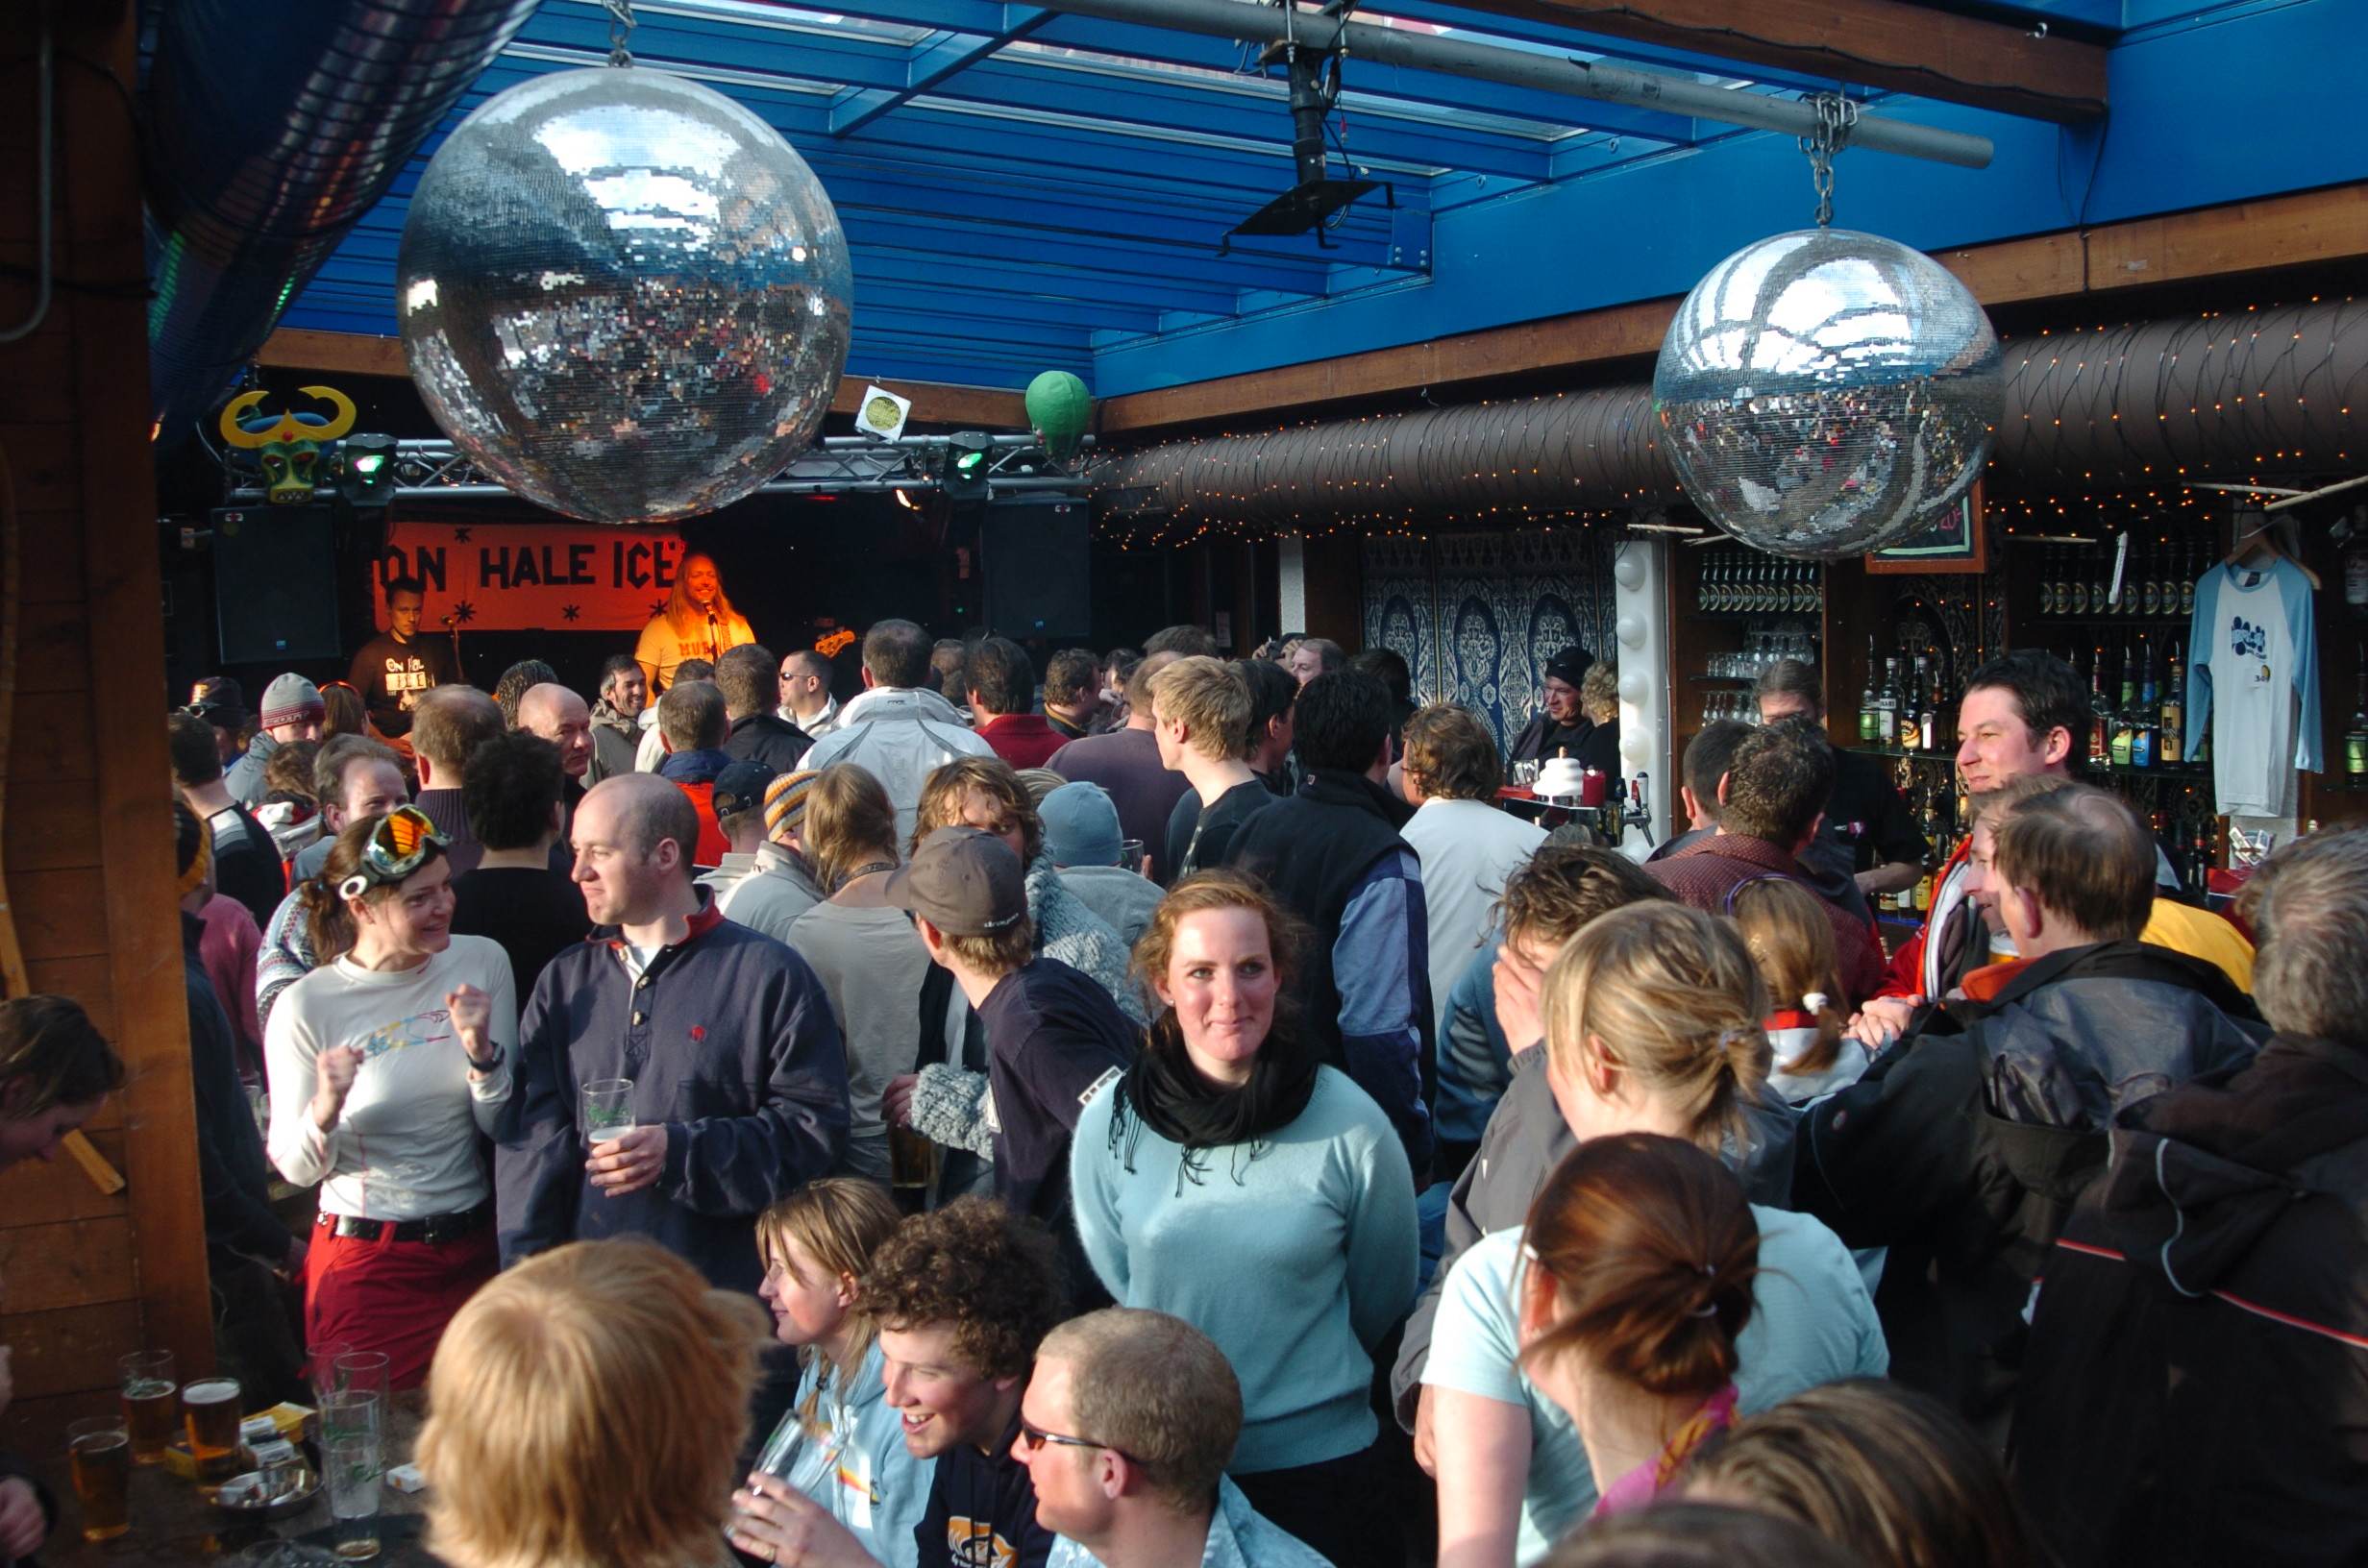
[[1880, 44], [944, 404], [2305, 229]]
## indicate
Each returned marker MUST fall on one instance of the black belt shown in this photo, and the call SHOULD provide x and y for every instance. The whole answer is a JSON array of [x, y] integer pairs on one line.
[[435, 1229]]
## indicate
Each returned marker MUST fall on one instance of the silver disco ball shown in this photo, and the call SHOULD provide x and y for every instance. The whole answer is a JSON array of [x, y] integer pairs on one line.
[[1824, 392], [624, 295]]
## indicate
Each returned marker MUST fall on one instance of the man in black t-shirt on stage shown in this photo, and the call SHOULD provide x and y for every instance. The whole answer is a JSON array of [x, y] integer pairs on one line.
[[393, 669]]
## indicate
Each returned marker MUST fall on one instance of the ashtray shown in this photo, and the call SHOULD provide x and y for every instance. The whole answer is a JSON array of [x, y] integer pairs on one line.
[[268, 1494]]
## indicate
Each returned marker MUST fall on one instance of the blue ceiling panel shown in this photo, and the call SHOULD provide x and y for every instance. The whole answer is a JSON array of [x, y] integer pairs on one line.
[[1024, 188]]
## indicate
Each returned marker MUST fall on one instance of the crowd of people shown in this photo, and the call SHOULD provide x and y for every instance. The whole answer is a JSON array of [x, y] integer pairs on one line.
[[1170, 1109]]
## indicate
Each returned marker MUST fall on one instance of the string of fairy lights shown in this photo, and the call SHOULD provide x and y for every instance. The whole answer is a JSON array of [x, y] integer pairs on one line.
[[2102, 422]]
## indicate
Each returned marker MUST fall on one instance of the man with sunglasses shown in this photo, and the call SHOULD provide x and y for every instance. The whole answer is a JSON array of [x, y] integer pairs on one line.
[[1145, 1486]]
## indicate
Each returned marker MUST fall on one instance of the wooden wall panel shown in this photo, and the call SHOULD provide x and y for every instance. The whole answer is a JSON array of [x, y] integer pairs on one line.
[[87, 1276]]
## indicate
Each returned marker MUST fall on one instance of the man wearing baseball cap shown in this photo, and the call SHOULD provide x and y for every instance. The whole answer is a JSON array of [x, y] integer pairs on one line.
[[1052, 1035], [740, 812], [222, 702], [1558, 726], [292, 711]]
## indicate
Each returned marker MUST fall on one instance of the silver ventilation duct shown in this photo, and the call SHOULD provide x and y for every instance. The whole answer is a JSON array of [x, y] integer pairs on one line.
[[271, 130], [2260, 392]]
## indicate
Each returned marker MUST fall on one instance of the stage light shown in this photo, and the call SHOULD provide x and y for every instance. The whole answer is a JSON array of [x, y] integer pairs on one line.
[[906, 501], [369, 479], [966, 465]]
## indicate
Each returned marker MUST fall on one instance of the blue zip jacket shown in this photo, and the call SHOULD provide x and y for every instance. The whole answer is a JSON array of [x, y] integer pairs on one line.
[[729, 1039]]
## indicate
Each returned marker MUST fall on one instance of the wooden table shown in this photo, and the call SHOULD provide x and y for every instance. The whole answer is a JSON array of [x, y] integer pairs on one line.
[[172, 1521]]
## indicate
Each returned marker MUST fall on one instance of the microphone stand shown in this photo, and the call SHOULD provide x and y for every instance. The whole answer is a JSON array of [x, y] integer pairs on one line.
[[452, 624]]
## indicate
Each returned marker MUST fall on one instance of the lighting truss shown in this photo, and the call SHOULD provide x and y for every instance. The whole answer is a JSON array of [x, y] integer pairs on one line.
[[429, 470]]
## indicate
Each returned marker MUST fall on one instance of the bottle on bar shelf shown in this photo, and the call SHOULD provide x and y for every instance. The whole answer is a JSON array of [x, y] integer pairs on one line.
[[2100, 713], [2355, 740], [1867, 726]]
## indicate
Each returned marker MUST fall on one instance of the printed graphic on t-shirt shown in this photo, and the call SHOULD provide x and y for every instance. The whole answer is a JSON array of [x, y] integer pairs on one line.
[[2251, 642], [430, 1028], [403, 677], [975, 1544]]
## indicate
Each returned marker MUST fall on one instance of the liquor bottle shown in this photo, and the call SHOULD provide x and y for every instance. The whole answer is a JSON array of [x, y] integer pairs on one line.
[[2355, 740], [2101, 585], [2169, 748], [2169, 592], [2129, 676], [1868, 723], [2186, 582], [1909, 740], [2143, 735], [2073, 592], [2047, 584], [1886, 706], [2100, 712], [2149, 588]]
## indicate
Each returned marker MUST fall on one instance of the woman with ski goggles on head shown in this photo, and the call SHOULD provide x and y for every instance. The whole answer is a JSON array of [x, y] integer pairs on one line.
[[388, 1064]]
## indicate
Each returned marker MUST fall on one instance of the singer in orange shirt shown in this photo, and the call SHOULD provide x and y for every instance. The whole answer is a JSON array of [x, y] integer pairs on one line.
[[698, 622]]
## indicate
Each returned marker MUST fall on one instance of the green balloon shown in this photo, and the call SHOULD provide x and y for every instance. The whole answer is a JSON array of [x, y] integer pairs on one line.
[[1059, 408]]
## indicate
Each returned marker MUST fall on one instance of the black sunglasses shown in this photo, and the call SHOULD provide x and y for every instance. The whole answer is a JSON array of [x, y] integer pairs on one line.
[[1036, 1437]]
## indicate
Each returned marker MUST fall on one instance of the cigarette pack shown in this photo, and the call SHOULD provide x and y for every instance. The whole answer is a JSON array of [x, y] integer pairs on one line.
[[258, 1429], [287, 1420], [407, 1478]]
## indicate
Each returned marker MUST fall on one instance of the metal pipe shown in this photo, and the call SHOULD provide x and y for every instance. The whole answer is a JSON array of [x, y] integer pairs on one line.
[[2275, 391], [1667, 93]]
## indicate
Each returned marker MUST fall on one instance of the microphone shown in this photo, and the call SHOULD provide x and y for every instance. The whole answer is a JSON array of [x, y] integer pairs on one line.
[[452, 620]]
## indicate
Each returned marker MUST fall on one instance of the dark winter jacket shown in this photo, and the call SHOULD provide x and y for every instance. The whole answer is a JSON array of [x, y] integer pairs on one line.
[[233, 1177], [729, 1041], [2196, 1387], [1965, 1146], [1525, 1140], [775, 742]]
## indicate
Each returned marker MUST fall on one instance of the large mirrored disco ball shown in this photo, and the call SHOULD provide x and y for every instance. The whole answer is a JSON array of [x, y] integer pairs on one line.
[[624, 295], [1824, 392]]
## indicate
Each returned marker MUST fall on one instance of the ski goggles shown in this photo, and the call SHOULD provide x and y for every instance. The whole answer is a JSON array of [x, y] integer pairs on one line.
[[397, 847]]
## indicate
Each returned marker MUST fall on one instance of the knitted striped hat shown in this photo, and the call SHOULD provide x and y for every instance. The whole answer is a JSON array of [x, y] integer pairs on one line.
[[785, 800], [291, 700]]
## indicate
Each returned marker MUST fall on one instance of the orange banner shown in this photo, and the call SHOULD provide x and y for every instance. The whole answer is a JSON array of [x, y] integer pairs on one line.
[[533, 576]]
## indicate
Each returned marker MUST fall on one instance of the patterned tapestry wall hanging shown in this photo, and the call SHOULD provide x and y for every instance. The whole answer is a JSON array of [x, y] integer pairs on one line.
[[1477, 615]]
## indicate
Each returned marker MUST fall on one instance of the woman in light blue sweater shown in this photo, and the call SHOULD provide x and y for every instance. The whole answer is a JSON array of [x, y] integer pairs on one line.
[[841, 1442], [1231, 1180]]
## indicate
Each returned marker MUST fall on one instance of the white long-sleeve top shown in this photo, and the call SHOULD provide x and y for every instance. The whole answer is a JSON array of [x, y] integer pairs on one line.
[[407, 1144]]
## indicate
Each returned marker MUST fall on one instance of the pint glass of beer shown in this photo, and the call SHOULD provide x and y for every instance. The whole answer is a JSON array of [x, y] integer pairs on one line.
[[99, 1447], [212, 1410], [151, 1403], [912, 1160]]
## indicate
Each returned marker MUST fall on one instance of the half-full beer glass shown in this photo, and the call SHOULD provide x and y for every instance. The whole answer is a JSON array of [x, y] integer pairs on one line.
[[151, 1403]]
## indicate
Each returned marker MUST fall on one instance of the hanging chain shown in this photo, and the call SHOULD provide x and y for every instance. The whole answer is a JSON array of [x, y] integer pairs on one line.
[[1836, 117], [620, 29]]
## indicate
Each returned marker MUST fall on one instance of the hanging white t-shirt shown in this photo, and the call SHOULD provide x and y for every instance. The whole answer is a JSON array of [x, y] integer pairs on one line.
[[2252, 662], [405, 1144]]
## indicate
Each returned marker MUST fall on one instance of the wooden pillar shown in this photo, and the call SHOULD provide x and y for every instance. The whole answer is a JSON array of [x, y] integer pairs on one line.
[[88, 826]]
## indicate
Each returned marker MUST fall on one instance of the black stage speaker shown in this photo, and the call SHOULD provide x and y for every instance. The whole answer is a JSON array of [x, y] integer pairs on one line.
[[275, 583], [1038, 561]]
